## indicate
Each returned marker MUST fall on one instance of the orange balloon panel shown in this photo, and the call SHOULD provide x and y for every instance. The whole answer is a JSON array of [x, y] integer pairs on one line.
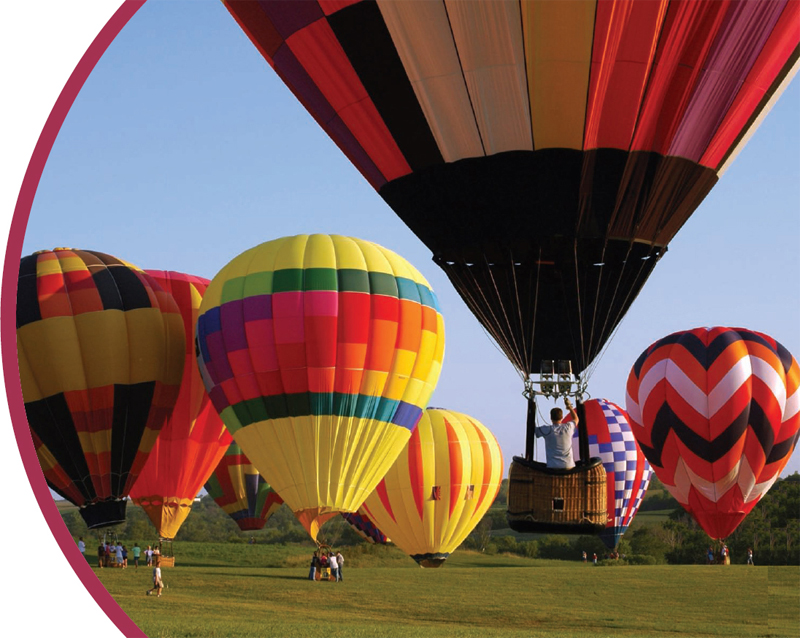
[[439, 488], [194, 439]]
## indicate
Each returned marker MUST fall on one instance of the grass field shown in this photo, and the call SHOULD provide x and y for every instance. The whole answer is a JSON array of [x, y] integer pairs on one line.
[[252, 591]]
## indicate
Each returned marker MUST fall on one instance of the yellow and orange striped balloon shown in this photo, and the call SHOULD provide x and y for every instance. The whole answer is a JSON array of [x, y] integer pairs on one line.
[[439, 488]]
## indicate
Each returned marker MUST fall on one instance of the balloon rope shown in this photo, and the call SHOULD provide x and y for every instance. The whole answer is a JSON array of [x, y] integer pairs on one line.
[[524, 355], [467, 286], [529, 359], [578, 300], [628, 301], [512, 344]]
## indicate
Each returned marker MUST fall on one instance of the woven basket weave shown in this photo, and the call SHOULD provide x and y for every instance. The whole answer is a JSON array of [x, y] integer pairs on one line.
[[540, 495]]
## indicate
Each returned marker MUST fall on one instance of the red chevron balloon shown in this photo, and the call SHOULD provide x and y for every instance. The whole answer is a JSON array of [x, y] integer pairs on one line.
[[716, 411]]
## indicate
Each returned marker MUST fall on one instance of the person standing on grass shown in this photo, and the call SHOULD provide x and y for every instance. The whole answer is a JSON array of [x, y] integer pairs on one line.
[[101, 555], [340, 562], [148, 555], [124, 557], [312, 574], [158, 584], [750, 556], [136, 551], [81, 545], [334, 565], [594, 559], [118, 555]]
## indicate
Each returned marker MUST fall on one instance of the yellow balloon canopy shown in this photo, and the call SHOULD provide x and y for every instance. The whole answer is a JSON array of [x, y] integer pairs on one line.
[[320, 353], [439, 488]]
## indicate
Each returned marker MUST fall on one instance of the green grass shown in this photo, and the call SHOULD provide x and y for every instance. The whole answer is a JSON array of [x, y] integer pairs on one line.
[[652, 518], [219, 590]]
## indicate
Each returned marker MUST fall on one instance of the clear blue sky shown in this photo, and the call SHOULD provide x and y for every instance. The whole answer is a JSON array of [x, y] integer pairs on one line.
[[185, 149]]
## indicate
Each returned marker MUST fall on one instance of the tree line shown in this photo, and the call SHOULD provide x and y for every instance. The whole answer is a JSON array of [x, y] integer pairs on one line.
[[772, 530]]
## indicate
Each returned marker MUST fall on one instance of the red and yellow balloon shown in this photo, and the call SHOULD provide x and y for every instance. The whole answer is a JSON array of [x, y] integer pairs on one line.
[[441, 485], [194, 438]]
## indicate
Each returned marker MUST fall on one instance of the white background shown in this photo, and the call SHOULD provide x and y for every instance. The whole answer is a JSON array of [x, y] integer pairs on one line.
[[41, 42]]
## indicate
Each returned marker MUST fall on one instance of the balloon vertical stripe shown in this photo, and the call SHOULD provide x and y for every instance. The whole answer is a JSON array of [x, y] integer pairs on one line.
[[456, 466]]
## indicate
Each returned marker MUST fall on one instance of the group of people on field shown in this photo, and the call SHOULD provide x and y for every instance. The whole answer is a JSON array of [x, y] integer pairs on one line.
[[116, 555], [328, 565], [723, 556]]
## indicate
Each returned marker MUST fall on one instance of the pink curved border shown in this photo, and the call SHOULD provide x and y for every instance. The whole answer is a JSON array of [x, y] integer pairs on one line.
[[8, 339]]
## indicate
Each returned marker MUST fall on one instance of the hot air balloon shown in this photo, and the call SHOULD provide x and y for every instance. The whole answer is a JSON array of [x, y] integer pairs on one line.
[[439, 488], [546, 152], [365, 527], [716, 411], [100, 347], [244, 495], [320, 352], [627, 471], [193, 440]]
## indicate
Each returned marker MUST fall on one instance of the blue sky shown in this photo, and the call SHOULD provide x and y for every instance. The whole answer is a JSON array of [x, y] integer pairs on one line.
[[185, 149]]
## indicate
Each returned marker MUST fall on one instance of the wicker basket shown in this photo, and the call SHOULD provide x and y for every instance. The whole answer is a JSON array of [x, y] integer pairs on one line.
[[167, 561], [542, 499]]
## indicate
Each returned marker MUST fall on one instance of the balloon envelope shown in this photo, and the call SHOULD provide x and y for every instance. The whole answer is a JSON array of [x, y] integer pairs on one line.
[[101, 348], [441, 485], [546, 152], [238, 488], [627, 471], [193, 440], [320, 352], [365, 527], [716, 411]]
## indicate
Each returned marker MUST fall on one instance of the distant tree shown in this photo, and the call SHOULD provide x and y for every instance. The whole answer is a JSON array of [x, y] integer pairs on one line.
[[481, 536], [557, 547], [645, 540], [501, 500]]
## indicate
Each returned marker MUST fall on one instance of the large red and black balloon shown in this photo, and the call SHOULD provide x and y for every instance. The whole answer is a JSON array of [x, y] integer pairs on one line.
[[546, 152], [716, 411]]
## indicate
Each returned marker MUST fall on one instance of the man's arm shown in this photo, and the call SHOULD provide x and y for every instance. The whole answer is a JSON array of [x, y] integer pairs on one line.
[[573, 414]]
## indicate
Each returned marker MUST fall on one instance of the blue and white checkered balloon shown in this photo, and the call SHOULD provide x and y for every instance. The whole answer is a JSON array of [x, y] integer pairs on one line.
[[628, 472]]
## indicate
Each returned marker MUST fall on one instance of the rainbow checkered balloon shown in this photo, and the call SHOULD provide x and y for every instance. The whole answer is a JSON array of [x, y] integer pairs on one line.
[[320, 353]]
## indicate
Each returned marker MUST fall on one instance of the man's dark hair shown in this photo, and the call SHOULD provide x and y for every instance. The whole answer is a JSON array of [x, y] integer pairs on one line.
[[556, 414]]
